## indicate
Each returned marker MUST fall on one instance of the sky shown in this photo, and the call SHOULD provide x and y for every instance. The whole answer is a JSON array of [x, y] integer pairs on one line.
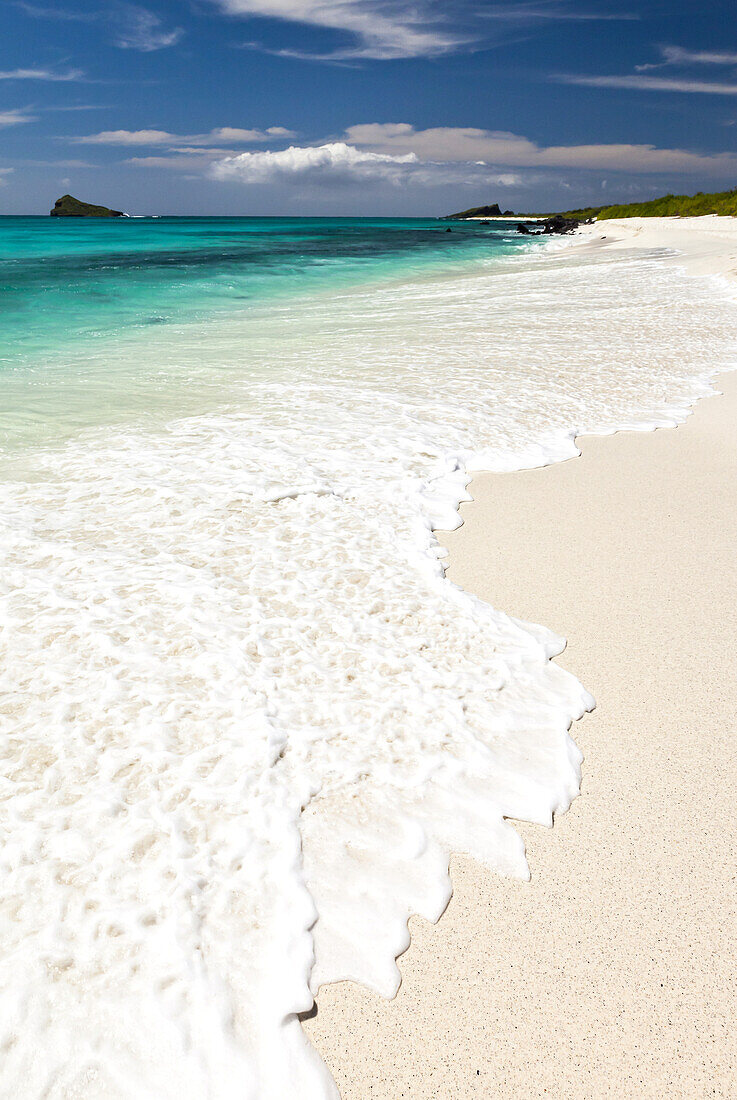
[[364, 107]]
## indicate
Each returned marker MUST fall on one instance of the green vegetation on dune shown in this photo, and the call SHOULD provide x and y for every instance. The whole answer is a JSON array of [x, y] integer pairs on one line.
[[669, 206]]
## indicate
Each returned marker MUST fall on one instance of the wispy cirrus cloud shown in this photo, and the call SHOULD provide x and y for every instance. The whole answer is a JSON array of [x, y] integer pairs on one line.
[[39, 11], [16, 116], [3, 173], [42, 74], [77, 107], [642, 83], [386, 30], [30, 163], [677, 55], [553, 11], [670, 57], [379, 29], [133, 26], [220, 135], [143, 30]]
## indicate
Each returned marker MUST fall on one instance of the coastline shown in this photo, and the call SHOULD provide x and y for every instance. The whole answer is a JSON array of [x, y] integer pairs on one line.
[[259, 717], [612, 973]]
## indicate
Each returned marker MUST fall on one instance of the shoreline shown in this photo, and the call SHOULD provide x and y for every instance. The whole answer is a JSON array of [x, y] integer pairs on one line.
[[259, 718], [538, 983]]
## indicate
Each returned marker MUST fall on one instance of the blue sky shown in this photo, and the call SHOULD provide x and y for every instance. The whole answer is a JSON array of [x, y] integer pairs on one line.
[[364, 106]]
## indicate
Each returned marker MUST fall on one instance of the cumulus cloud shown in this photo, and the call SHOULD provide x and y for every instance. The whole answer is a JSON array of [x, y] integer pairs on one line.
[[230, 135], [497, 147], [336, 161], [337, 164]]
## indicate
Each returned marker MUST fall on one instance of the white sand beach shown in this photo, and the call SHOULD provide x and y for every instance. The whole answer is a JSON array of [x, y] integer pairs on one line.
[[614, 971]]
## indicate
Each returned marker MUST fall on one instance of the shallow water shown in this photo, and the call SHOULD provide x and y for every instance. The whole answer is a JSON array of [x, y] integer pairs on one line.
[[246, 716]]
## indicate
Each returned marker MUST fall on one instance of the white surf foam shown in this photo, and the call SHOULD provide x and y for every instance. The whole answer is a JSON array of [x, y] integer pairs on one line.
[[245, 716]]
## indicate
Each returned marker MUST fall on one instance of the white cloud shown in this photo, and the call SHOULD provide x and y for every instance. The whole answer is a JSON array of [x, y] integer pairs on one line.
[[78, 107], [134, 27], [335, 161], [126, 137], [551, 11], [499, 148], [398, 154], [56, 163], [5, 172], [16, 116], [650, 84], [676, 55], [41, 74], [337, 164], [381, 29], [180, 159], [141, 29], [389, 29], [40, 12], [220, 135]]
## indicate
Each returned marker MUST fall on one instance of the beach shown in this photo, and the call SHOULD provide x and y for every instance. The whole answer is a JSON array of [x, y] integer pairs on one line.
[[612, 972], [250, 717]]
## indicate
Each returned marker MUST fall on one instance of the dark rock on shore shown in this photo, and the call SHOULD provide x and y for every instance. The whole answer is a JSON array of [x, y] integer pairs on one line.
[[561, 224], [556, 224], [69, 207]]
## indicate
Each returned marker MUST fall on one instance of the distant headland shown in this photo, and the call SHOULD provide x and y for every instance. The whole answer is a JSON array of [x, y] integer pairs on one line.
[[69, 207], [493, 211]]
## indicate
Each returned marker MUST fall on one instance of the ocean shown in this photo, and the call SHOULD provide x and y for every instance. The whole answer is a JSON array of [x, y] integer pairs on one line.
[[245, 716], [82, 297]]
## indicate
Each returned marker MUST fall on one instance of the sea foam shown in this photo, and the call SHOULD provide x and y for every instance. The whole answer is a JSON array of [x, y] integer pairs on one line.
[[246, 717]]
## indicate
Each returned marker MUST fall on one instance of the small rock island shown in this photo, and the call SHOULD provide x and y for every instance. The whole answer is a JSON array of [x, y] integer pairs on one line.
[[69, 207]]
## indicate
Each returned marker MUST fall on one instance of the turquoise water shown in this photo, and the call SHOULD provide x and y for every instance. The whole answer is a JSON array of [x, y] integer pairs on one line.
[[143, 320], [75, 283]]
